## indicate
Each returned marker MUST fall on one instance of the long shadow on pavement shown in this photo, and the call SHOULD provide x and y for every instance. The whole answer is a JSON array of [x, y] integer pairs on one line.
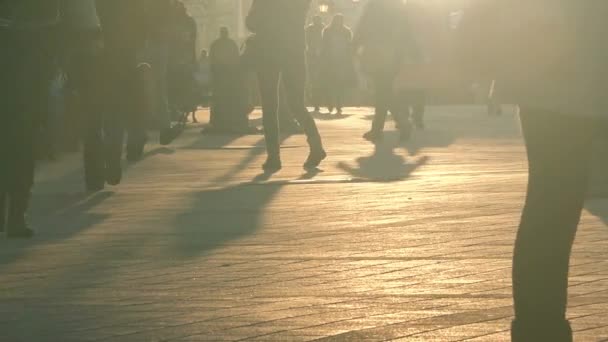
[[219, 216], [384, 165]]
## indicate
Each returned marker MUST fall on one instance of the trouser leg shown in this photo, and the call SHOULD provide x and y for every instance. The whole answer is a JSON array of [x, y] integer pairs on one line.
[[559, 150]]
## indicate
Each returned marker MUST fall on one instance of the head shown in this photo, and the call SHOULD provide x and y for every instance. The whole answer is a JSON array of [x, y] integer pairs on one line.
[[224, 33], [338, 20], [317, 20], [204, 54]]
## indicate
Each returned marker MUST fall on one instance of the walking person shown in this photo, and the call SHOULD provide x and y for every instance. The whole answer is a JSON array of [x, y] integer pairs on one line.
[[30, 34], [280, 44], [314, 44], [336, 56], [383, 39], [552, 60]]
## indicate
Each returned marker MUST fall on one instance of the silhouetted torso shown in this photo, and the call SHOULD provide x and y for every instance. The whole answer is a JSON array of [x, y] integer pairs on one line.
[[280, 23]]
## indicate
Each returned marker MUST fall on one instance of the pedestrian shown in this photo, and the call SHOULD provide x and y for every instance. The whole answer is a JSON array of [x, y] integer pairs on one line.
[[280, 43], [336, 56], [229, 109], [550, 57], [32, 34], [203, 80], [181, 69], [314, 43], [383, 40], [158, 41]]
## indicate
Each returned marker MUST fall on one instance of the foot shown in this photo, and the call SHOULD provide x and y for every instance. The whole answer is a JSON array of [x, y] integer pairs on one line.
[[135, 150], [314, 159], [168, 135], [17, 229], [95, 187], [114, 173], [317, 110], [373, 136], [339, 112], [272, 165]]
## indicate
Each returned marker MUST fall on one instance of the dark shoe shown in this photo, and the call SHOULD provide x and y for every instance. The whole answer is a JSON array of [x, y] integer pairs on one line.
[[95, 187], [540, 330], [373, 136], [114, 173], [314, 159], [168, 135], [17, 228], [272, 165]]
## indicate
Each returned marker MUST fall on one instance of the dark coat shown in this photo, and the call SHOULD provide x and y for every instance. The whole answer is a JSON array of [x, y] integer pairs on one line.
[[279, 25]]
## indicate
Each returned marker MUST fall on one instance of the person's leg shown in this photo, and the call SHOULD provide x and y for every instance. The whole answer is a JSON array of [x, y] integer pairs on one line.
[[294, 78], [383, 97], [559, 150], [400, 109], [418, 108], [268, 79]]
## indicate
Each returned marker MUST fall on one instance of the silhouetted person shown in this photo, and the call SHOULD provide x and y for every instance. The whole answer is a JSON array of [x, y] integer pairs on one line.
[[562, 98], [279, 29], [336, 57], [384, 37], [228, 112], [159, 38], [31, 35], [314, 44], [182, 65]]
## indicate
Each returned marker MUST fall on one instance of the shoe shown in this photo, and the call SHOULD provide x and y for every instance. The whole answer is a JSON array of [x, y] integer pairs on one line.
[[114, 173], [135, 148], [317, 110], [168, 135], [314, 159], [97, 187], [339, 112], [272, 165], [17, 229], [373, 136]]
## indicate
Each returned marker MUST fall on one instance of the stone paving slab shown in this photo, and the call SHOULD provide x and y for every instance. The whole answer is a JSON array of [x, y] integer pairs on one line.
[[396, 242]]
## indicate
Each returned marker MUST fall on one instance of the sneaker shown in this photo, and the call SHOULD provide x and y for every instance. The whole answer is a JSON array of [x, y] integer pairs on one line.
[[373, 136], [314, 159], [168, 135], [272, 165]]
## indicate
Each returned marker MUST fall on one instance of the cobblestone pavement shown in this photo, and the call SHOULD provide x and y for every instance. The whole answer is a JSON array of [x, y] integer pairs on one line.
[[397, 242]]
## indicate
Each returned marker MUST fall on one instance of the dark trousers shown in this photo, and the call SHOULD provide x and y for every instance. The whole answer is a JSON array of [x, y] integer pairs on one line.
[[110, 107], [559, 152], [292, 72], [25, 72], [387, 99]]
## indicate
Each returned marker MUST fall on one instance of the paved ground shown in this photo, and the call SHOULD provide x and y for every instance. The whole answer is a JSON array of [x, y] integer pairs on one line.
[[408, 243]]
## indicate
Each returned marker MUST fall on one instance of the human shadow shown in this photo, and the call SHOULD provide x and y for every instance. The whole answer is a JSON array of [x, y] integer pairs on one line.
[[219, 216], [383, 165], [62, 221]]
